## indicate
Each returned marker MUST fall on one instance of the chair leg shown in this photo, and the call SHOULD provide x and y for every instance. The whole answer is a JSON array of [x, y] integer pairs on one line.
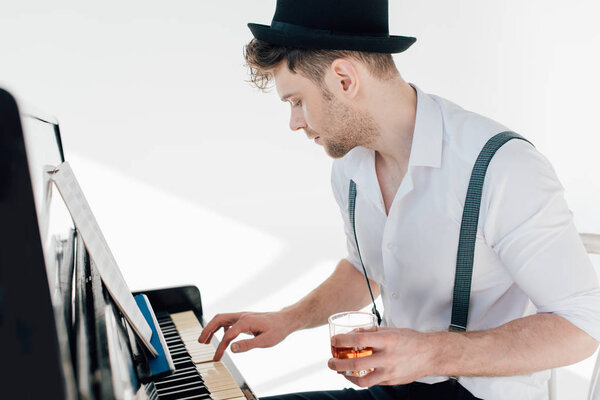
[[552, 385], [594, 390]]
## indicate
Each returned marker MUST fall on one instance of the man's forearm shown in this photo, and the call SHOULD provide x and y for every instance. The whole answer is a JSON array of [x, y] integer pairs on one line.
[[522, 346], [345, 290]]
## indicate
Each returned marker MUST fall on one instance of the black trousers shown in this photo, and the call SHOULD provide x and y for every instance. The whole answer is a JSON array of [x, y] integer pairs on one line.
[[447, 390]]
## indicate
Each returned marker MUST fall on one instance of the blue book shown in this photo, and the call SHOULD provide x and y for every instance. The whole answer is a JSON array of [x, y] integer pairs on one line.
[[162, 364]]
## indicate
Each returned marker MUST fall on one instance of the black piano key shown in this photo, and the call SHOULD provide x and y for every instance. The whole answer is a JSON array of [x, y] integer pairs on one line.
[[184, 364], [168, 328], [189, 383], [178, 386], [184, 372], [178, 394], [151, 391], [179, 381], [176, 346], [178, 377], [178, 352]]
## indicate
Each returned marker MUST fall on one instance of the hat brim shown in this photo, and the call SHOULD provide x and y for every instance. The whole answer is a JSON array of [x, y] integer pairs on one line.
[[318, 40]]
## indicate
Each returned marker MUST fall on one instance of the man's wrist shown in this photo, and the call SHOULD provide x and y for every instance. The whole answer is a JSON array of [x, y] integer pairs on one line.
[[290, 319], [444, 352]]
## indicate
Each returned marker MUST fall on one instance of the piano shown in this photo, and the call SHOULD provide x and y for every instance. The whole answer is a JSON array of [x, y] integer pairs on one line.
[[61, 334]]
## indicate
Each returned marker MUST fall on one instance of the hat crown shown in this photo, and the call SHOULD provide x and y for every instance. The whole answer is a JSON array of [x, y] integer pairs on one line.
[[337, 16]]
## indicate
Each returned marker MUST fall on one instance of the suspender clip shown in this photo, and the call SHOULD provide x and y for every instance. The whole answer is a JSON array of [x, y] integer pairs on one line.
[[456, 328], [376, 312]]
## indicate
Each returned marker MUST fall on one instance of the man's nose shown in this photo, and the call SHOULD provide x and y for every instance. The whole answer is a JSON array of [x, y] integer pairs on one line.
[[297, 121]]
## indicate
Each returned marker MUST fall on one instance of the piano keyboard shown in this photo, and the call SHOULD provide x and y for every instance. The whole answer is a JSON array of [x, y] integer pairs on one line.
[[196, 375]]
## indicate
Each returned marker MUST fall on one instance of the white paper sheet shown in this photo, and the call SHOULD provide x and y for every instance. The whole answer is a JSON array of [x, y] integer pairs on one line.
[[99, 252]]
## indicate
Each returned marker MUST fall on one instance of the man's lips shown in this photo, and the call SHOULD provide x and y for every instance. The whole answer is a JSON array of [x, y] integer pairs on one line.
[[311, 137]]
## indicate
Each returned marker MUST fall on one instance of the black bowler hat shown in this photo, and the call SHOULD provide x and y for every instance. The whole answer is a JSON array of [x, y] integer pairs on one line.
[[360, 25]]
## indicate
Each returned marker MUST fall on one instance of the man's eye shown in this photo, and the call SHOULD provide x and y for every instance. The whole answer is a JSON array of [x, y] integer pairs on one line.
[[297, 103]]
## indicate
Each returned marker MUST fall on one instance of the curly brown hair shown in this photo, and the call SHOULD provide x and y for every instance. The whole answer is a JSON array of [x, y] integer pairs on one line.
[[262, 57]]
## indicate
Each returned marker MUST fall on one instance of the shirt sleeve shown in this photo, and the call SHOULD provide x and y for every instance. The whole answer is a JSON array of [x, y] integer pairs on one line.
[[528, 224], [340, 186]]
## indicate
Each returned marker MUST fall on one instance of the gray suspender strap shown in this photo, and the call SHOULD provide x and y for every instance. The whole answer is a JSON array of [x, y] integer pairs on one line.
[[468, 231], [351, 211]]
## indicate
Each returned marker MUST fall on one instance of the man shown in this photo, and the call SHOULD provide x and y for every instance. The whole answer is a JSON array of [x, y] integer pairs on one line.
[[535, 301]]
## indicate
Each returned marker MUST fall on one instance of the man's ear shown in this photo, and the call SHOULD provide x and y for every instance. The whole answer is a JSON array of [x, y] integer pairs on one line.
[[345, 77]]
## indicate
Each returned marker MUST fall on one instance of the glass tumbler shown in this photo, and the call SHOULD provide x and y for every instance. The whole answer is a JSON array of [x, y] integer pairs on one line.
[[348, 322]]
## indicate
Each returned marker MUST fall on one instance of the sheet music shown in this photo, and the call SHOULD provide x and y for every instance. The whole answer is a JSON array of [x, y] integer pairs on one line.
[[99, 252]]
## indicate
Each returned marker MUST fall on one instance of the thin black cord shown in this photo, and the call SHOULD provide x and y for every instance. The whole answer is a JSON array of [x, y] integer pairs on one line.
[[351, 209]]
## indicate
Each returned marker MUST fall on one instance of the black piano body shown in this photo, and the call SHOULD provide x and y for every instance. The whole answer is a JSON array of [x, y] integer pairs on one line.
[[61, 335]]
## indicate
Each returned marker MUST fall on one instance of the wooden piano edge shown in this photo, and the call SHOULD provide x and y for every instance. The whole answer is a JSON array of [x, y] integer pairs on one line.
[[185, 298]]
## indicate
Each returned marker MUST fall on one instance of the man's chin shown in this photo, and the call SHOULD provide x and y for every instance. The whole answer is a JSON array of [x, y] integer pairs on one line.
[[336, 151]]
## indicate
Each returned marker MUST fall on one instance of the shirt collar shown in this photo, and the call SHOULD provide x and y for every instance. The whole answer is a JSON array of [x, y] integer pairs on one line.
[[426, 149]]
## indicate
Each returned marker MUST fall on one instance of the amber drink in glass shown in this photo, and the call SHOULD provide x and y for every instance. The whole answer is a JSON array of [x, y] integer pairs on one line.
[[348, 322]]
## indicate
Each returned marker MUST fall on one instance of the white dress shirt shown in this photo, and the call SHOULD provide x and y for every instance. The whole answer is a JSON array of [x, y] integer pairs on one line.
[[528, 254]]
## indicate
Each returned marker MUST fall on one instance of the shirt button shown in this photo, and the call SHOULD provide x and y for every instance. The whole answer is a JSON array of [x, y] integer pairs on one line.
[[395, 296], [390, 246]]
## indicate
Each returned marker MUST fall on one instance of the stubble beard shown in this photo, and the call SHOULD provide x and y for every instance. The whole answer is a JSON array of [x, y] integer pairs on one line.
[[349, 128]]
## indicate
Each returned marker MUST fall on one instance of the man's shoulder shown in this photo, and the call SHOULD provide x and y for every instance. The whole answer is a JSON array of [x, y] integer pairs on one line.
[[465, 131]]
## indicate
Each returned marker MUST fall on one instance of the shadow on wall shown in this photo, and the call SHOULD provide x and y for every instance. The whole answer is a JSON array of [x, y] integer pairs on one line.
[[297, 260]]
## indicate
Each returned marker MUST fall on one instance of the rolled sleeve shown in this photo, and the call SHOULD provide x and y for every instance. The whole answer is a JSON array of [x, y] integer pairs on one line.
[[528, 224]]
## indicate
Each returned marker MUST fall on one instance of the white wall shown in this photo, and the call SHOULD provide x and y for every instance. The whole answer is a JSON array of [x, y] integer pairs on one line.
[[194, 175]]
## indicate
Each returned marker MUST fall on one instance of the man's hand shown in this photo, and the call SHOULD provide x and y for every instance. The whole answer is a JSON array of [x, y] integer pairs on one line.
[[268, 329], [399, 356], [522, 346]]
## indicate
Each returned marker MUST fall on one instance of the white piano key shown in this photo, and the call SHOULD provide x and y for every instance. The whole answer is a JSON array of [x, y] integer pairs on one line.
[[226, 395]]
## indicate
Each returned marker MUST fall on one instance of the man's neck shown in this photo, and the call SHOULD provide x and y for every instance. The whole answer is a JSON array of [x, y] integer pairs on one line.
[[394, 108]]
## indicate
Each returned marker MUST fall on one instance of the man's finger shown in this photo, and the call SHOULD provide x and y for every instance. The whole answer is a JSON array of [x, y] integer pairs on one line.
[[355, 364], [231, 334], [371, 379], [220, 320], [358, 339]]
